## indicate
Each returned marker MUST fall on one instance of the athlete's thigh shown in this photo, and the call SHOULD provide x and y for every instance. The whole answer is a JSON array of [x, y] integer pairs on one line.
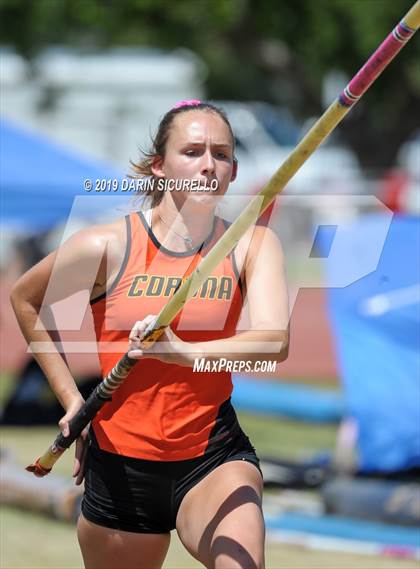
[[220, 519], [105, 548]]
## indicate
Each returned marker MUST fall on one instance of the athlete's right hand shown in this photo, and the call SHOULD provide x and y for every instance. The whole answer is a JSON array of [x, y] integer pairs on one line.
[[81, 442]]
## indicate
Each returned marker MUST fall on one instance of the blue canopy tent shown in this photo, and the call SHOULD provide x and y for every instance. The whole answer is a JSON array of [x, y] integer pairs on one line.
[[40, 179], [376, 322]]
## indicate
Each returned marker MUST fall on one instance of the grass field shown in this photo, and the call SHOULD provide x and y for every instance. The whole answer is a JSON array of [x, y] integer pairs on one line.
[[30, 541]]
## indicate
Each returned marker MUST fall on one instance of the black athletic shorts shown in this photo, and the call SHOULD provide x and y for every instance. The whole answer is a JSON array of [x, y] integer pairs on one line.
[[144, 496]]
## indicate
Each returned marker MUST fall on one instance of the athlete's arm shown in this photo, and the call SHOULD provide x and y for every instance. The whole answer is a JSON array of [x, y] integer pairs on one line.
[[79, 264]]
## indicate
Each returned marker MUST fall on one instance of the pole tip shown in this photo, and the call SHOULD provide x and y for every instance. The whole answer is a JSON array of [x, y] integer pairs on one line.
[[37, 469]]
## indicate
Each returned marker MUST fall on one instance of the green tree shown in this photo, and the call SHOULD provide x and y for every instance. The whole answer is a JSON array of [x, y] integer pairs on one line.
[[274, 50]]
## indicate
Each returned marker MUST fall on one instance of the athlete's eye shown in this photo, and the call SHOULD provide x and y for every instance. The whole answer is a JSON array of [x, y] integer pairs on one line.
[[193, 152]]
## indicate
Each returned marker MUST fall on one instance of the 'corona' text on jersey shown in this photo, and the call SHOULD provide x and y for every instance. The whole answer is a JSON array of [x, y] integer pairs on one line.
[[219, 288]]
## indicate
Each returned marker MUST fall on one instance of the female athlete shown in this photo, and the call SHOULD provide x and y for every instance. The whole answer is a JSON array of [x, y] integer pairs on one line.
[[167, 451]]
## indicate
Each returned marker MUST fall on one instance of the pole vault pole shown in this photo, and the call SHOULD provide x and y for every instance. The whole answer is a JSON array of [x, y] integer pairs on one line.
[[374, 66]]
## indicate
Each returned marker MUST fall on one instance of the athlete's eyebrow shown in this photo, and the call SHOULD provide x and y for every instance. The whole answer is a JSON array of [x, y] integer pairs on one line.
[[214, 144], [222, 145]]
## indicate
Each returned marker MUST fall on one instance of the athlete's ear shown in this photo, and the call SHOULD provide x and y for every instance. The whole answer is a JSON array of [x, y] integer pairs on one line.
[[234, 170], [157, 167]]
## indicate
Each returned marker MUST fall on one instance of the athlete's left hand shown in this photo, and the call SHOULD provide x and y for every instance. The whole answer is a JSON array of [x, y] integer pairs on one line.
[[169, 348]]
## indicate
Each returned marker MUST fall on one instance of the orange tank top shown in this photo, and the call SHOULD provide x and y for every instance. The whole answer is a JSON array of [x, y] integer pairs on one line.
[[164, 411]]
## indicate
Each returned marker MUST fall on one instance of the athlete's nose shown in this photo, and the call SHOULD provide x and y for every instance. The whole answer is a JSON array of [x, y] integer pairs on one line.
[[208, 164]]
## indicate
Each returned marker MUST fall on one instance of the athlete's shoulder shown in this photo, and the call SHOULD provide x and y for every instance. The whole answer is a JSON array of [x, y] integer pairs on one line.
[[93, 240], [256, 239], [265, 241], [255, 232], [262, 233]]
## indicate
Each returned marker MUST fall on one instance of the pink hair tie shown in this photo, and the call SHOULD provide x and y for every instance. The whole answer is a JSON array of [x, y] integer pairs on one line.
[[187, 103]]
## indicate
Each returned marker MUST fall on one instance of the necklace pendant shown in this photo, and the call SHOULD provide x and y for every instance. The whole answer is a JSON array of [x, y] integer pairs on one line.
[[188, 242]]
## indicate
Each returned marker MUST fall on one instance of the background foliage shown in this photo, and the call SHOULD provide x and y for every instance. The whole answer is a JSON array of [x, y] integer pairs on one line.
[[272, 50]]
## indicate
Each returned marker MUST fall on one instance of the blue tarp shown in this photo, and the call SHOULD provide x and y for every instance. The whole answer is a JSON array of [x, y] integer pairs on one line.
[[376, 322], [287, 400], [39, 179], [345, 528]]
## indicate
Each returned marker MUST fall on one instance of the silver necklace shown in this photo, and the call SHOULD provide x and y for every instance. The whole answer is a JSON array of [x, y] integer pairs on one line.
[[187, 240]]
